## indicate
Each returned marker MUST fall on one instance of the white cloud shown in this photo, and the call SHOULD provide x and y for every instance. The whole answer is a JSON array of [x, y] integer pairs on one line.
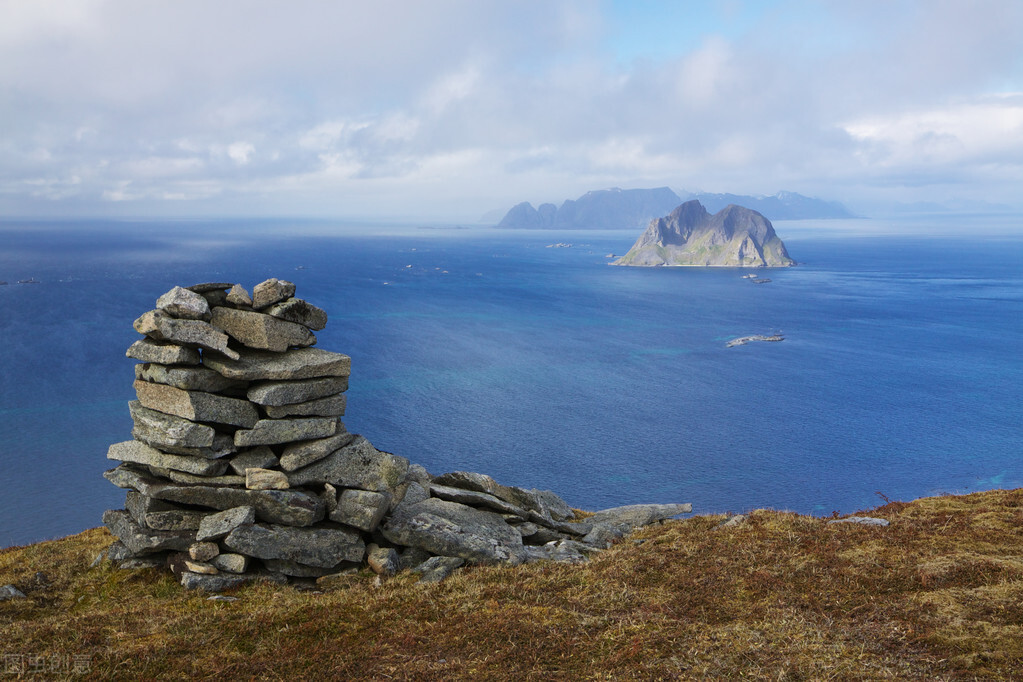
[[240, 152], [318, 107]]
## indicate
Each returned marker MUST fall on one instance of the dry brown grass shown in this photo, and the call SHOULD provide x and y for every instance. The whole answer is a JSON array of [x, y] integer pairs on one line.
[[936, 595]]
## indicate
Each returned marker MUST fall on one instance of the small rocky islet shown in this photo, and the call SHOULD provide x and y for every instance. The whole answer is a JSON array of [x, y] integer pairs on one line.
[[735, 236], [240, 467]]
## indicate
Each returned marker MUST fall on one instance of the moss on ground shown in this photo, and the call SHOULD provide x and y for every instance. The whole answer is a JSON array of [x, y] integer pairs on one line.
[[936, 595]]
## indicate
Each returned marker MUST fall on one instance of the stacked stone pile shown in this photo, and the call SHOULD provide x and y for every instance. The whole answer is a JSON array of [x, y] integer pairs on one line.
[[241, 468]]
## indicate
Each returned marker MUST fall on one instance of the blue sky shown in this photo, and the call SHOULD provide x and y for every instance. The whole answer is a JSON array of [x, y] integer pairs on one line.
[[444, 110]]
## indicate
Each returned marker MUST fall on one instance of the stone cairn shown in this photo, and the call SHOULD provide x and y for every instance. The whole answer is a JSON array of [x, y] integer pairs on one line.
[[241, 468]]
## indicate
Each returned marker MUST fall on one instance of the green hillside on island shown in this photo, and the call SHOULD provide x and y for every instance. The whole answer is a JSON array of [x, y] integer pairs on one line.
[[733, 237], [936, 595]]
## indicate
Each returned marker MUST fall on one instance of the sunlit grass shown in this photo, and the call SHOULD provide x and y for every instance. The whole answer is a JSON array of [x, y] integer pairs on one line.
[[936, 595]]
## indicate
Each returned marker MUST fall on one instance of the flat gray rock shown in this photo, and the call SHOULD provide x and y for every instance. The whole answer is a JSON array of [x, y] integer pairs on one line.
[[259, 331], [148, 350], [298, 311], [140, 453], [212, 583], [298, 570], [186, 378], [259, 457], [560, 551], [436, 569], [547, 506], [361, 509], [266, 479], [277, 431], [230, 562], [11, 592], [331, 406], [160, 428], [217, 526], [636, 515], [382, 560], [207, 287], [356, 465], [455, 530], [160, 326], [161, 515], [196, 405], [288, 507], [263, 365], [475, 499], [279, 393], [862, 520], [320, 547], [298, 455], [271, 291], [183, 478], [184, 304], [238, 296], [140, 540]]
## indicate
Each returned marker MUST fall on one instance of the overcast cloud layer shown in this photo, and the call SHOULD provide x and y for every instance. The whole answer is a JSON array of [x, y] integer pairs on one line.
[[446, 109]]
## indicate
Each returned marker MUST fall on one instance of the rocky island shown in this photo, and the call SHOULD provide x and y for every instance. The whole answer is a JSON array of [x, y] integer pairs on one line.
[[733, 237]]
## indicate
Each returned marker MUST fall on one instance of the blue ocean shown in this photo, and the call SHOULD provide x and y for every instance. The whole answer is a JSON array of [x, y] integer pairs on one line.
[[900, 374]]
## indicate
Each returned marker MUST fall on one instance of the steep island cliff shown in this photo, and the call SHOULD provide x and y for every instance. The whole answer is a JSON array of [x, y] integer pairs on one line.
[[733, 237]]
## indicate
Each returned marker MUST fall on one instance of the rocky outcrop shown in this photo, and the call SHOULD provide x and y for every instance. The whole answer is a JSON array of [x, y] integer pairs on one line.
[[240, 467], [732, 237]]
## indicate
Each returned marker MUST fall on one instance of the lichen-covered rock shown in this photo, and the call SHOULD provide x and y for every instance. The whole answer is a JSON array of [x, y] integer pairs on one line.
[[331, 406], [382, 560], [141, 540], [196, 405], [298, 311], [160, 326], [298, 455], [184, 304], [361, 509], [437, 568], [356, 465], [218, 526], [280, 393], [266, 479], [271, 291], [162, 429], [259, 457], [288, 507], [238, 296], [637, 515], [212, 583], [320, 547], [455, 530], [161, 515], [264, 365], [277, 431], [263, 332], [148, 350], [140, 453], [186, 378], [203, 551], [230, 562]]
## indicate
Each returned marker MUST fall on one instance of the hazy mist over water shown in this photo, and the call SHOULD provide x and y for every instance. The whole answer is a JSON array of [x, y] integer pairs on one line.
[[544, 367]]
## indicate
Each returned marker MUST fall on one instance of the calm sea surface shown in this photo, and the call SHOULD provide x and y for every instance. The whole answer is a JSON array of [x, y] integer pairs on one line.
[[901, 372]]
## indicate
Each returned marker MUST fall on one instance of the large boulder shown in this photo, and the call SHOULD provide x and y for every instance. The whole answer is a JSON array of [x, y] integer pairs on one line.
[[320, 547], [455, 530], [356, 465]]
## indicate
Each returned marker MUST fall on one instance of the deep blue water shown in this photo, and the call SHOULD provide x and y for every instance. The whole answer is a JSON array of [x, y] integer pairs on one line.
[[900, 373]]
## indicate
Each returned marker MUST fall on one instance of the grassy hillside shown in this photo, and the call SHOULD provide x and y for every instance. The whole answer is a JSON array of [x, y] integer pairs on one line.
[[936, 595]]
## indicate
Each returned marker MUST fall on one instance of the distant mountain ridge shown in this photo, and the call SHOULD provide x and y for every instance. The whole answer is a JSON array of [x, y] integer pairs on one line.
[[735, 236], [620, 209]]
